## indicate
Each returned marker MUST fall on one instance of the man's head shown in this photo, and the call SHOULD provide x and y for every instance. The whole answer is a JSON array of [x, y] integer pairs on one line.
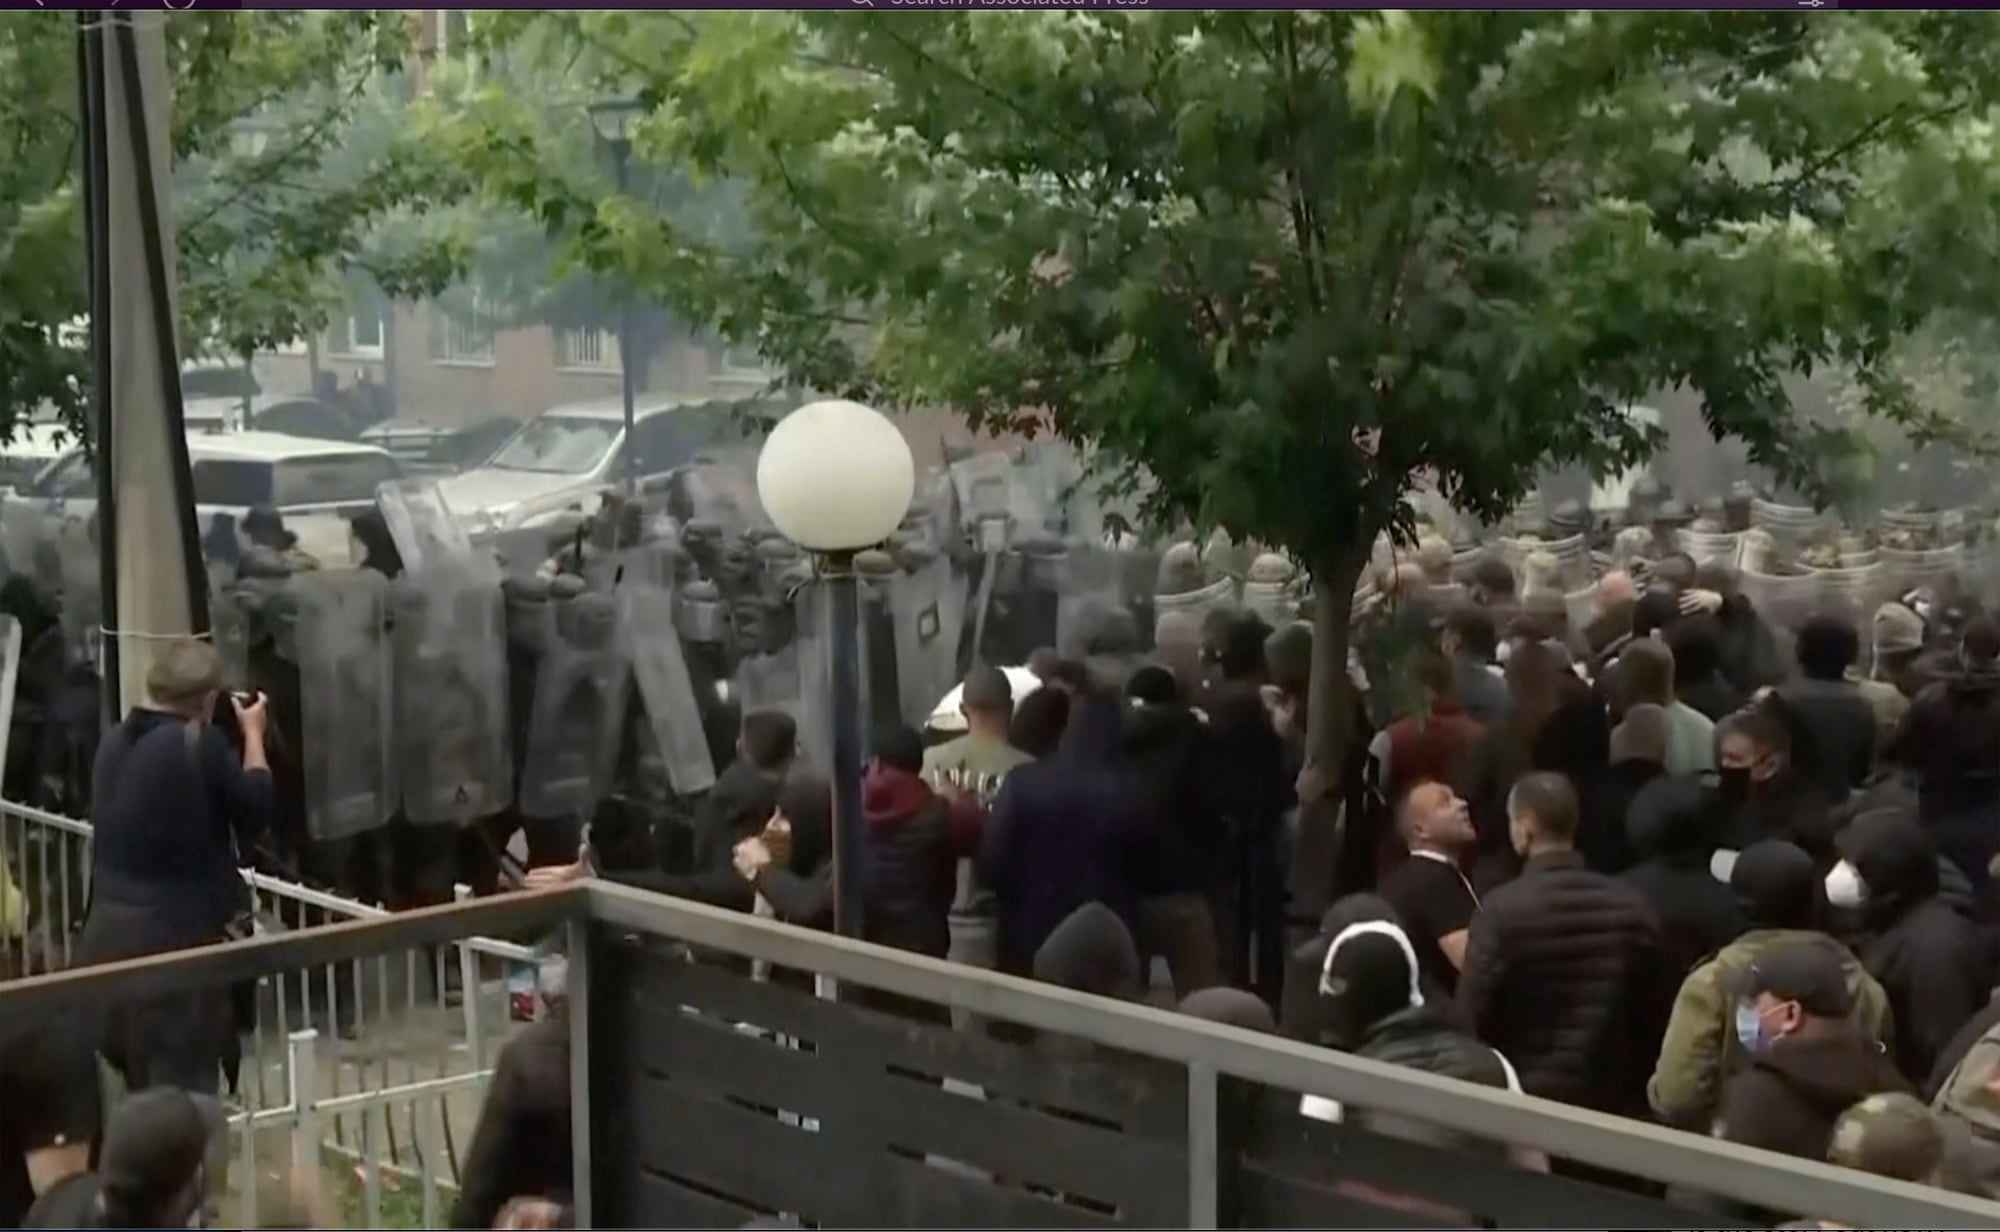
[[185, 678], [1890, 1134], [769, 740], [1492, 581], [1676, 569], [1541, 813], [1751, 749], [1655, 611], [1469, 631], [1827, 647], [897, 746], [1369, 973], [1153, 685], [1646, 673], [1641, 736], [1719, 577], [1407, 580], [1697, 645], [1092, 951], [1776, 885], [1434, 559], [1898, 636], [1796, 988], [1239, 653], [1288, 655], [1432, 817], [987, 701], [1615, 591], [150, 1173]]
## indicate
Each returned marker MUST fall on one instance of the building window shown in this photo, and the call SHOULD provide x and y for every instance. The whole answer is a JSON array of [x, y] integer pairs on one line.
[[361, 334], [587, 350], [462, 334]]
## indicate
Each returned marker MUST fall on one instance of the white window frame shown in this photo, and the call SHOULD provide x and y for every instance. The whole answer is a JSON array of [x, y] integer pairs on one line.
[[341, 342], [455, 341], [589, 349], [729, 365]]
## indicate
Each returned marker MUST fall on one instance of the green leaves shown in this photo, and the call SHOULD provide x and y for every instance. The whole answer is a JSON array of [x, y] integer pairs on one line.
[[1387, 54]]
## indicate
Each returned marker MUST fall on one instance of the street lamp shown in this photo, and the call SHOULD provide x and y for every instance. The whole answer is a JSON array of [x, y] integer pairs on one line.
[[248, 139], [836, 477], [613, 119]]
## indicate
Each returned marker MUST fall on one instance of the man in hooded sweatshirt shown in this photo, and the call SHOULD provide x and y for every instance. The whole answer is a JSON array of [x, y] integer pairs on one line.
[[1841, 721], [1674, 831], [1092, 951], [915, 838], [1164, 745], [1950, 744], [1928, 956], [1563, 971], [1638, 757], [1064, 832], [1777, 890], [1793, 1016]]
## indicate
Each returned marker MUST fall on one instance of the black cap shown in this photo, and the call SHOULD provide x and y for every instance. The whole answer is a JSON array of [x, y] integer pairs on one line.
[[1807, 972]]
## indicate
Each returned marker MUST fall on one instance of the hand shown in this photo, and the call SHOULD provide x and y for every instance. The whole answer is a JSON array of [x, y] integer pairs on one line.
[[1311, 785], [526, 1214], [752, 856], [777, 839], [1693, 601], [550, 876], [252, 716]]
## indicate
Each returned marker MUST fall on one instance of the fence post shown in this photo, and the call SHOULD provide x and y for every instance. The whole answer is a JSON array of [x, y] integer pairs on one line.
[[468, 987], [302, 1050], [1203, 1140], [577, 993], [430, 1153]]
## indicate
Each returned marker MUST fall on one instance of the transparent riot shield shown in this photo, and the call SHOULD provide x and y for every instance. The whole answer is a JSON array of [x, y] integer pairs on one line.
[[652, 645], [1091, 589], [1195, 605], [428, 534], [926, 636], [580, 697], [449, 646], [230, 631], [82, 589], [768, 678], [345, 701]]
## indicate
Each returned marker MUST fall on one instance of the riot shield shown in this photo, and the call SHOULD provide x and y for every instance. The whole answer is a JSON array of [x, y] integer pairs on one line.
[[926, 637], [452, 753], [1091, 588], [580, 698], [1195, 604], [82, 590], [652, 645], [428, 535], [345, 701]]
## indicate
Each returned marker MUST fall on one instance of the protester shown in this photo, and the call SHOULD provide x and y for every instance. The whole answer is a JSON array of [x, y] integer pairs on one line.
[[176, 812], [1807, 1063], [1698, 680], [1950, 744], [915, 838], [788, 864], [150, 1175], [521, 1146], [1674, 829], [1231, 1007], [1892, 1135], [1646, 677], [1563, 969], [1430, 742], [1164, 749], [1638, 757], [1841, 721], [1762, 794], [1429, 891], [984, 751], [1777, 891], [1472, 643], [1039, 722], [1092, 951], [1536, 677], [1064, 832], [48, 1103], [1928, 957]]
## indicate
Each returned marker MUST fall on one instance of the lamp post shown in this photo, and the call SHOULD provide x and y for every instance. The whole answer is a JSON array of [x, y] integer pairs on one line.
[[836, 477], [248, 139], [613, 119]]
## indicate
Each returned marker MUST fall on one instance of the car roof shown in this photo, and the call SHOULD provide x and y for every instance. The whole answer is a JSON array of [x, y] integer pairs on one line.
[[643, 407], [274, 447]]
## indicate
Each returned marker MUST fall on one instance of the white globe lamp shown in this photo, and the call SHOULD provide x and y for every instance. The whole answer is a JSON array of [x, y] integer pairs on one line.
[[836, 477]]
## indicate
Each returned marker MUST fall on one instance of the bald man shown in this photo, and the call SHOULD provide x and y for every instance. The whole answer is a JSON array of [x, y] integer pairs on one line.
[[1431, 895]]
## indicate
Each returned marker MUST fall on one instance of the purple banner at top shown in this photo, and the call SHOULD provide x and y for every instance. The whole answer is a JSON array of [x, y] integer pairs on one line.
[[921, 5]]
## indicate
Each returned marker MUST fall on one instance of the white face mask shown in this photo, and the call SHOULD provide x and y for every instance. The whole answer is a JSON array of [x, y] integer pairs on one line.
[[1844, 887]]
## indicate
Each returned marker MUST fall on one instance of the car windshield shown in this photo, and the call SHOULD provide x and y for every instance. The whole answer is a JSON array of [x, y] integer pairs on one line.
[[557, 445]]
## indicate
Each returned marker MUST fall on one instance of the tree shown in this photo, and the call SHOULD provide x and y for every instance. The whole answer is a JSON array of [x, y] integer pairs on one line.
[[1281, 265], [287, 155]]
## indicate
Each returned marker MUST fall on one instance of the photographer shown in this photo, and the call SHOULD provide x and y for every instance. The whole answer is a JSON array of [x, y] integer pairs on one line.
[[176, 804]]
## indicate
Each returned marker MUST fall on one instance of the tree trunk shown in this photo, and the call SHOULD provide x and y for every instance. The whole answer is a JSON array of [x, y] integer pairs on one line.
[[1329, 725]]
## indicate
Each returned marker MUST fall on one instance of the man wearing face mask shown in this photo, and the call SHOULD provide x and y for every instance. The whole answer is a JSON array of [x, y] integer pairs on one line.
[[1563, 969], [1764, 795], [1928, 957], [1808, 1065]]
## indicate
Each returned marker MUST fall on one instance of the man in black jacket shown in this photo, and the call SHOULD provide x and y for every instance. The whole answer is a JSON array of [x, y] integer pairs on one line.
[[1840, 720], [521, 1146], [1563, 972]]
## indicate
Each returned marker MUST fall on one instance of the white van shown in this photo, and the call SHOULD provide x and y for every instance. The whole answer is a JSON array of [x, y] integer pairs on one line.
[[566, 457]]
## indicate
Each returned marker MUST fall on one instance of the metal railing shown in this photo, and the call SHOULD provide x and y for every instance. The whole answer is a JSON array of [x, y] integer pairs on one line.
[[597, 914], [400, 1069]]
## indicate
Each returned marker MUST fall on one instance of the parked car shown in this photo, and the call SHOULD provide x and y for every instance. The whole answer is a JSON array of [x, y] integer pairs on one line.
[[428, 449], [316, 485], [566, 457], [34, 447]]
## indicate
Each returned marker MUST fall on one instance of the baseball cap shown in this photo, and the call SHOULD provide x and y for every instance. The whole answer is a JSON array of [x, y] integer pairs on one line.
[[1898, 630], [1808, 973]]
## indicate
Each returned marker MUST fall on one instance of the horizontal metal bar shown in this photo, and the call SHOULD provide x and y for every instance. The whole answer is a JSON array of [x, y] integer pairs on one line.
[[1618, 1143], [409, 1091], [210, 965], [42, 817]]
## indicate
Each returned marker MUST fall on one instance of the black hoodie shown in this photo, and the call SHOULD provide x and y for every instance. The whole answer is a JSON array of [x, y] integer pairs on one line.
[[1950, 744], [1165, 748], [1796, 1088], [1674, 831], [1927, 956]]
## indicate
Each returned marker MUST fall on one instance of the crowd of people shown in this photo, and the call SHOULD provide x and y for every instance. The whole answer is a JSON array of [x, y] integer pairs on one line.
[[1673, 864]]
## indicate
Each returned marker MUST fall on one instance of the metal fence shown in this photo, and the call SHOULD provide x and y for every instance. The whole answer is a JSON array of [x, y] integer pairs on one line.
[[395, 1048], [659, 991]]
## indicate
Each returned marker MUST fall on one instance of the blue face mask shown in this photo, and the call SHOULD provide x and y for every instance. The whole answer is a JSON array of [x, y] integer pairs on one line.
[[1749, 1026]]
